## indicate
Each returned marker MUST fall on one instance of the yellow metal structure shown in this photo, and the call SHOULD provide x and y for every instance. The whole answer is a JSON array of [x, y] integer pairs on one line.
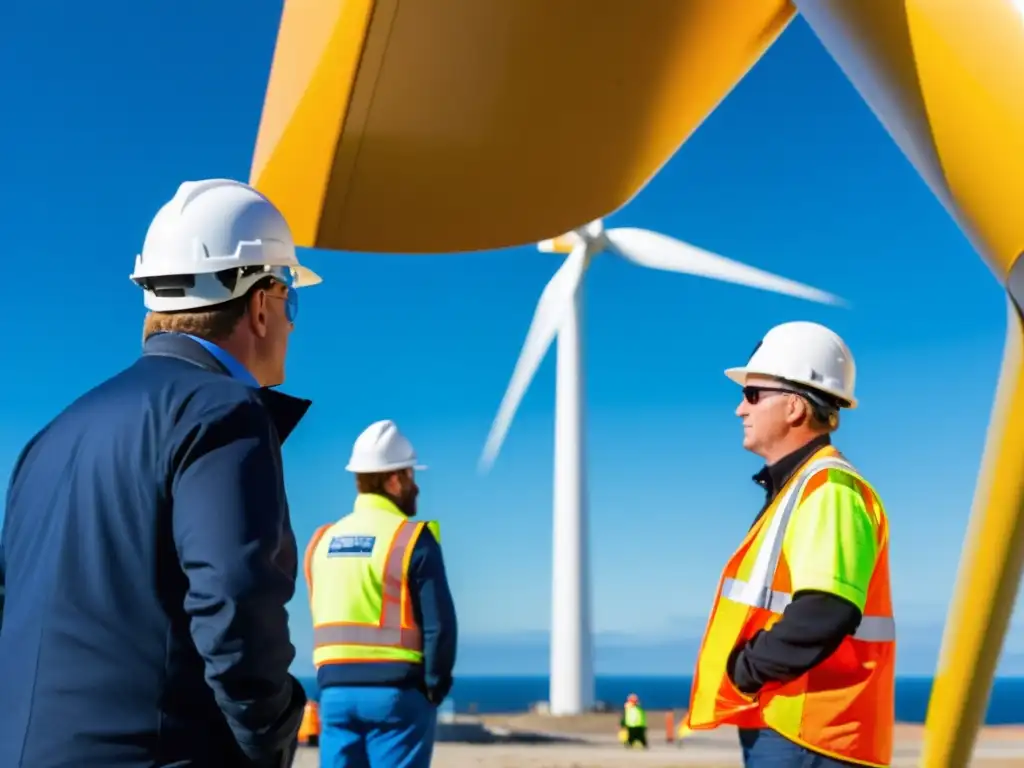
[[452, 125], [946, 78], [431, 126]]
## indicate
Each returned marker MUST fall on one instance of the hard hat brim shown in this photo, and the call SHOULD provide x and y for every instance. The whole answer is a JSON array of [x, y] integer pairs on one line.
[[367, 469], [739, 375], [305, 277]]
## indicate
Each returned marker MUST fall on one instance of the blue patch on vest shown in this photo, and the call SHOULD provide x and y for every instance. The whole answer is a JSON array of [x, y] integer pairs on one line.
[[351, 546]]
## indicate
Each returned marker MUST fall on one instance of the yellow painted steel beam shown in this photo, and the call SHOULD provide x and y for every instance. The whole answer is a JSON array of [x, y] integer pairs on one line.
[[989, 573], [946, 78], [432, 126]]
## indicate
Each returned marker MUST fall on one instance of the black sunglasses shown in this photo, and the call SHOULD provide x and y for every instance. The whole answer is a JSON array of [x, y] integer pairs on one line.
[[753, 394]]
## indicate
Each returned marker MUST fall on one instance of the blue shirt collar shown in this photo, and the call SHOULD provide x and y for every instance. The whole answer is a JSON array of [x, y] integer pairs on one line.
[[229, 361]]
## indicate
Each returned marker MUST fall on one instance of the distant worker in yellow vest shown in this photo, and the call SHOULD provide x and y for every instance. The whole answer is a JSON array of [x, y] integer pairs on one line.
[[799, 650], [384, 626], [634, 720]]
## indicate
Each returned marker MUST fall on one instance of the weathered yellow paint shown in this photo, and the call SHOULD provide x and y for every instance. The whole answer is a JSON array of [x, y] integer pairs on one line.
[[428, 126], [988, 577], [319, 48], [947, 80]]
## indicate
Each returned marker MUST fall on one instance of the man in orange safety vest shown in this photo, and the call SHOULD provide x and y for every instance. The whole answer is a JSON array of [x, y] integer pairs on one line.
[[799, 650]]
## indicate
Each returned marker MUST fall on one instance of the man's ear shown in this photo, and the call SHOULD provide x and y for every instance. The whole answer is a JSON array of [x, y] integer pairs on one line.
[[258, 313], [799, 410], [393, 484]]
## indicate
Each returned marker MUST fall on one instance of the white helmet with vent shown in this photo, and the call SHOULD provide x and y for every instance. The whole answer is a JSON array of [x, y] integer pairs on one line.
[[210, 243], [806, 354]]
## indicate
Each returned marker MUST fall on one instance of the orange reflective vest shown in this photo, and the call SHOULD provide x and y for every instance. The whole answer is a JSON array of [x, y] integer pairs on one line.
[[844, 707], [356, 572]]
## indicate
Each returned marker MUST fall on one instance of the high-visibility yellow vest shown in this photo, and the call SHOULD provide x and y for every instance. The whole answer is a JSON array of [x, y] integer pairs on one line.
[[635, 716], [356, 572], [844, 707]]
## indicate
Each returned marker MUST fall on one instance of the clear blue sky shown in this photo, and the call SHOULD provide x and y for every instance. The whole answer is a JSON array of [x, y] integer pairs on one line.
[[107, 108]]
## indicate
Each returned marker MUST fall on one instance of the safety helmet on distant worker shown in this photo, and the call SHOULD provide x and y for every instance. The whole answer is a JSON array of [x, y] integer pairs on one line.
[[382, 448], [808, 355], [211, 243]]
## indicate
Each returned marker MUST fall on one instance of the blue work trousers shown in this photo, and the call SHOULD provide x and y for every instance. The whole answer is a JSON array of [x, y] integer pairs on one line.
[[764, 748], [375, 727]]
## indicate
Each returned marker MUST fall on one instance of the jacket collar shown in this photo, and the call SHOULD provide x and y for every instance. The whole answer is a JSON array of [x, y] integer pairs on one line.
[[773, 476], [285, 411]]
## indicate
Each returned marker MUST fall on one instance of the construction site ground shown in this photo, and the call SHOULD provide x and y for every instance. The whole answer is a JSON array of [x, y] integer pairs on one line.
[[590, 741]]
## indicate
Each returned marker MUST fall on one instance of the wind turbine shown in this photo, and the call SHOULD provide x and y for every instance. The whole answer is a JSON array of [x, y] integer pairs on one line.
[[559, 313]]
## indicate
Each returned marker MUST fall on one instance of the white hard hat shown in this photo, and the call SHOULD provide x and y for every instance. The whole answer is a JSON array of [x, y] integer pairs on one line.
[[382, 448], [210, 243], [806, 354]]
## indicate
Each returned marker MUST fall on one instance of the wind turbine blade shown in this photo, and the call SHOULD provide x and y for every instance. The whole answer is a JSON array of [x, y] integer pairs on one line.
[[657, 251], [554, 302]]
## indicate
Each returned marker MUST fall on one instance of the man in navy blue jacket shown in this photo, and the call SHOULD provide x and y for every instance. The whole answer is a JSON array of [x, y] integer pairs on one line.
[[148, 553]]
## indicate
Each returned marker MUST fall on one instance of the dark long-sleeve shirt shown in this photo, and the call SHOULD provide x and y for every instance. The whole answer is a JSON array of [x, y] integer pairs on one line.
[[812, 626], [434, 611]]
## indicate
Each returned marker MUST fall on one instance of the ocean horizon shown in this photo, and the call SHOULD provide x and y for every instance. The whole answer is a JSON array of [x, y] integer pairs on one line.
[[489, 694]]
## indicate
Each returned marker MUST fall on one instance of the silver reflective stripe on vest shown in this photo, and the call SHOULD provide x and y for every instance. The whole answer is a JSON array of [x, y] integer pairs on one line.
[[390, 631], [872, 629], [741, 592], [364, 634], [757, 591]]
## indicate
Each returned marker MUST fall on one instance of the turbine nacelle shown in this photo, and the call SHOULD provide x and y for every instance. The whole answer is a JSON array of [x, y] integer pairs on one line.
[[591, 234]]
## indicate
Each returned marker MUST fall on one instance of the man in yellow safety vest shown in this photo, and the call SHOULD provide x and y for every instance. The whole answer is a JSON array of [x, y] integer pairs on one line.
[[634, 721], [384, 625], [799, 651]]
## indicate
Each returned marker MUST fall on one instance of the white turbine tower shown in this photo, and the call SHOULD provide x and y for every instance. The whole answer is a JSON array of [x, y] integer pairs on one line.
[[559, 313]]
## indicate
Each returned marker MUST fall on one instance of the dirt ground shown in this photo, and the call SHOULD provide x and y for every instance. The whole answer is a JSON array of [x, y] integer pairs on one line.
[[589, 741]]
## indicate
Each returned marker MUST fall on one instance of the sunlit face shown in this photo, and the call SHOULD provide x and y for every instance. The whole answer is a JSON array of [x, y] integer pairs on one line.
[[280, 328], [767, 410], [272, 316]]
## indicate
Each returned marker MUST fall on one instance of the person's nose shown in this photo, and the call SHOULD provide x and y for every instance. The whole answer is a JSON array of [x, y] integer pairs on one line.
[[743, 408]]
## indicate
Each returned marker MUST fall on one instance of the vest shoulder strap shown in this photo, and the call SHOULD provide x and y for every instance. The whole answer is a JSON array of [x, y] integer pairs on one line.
[[810, 484], [307, 568], [770, 552]]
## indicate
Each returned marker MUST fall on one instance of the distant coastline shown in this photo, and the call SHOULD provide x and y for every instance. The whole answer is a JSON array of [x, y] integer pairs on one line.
[[499, 694]]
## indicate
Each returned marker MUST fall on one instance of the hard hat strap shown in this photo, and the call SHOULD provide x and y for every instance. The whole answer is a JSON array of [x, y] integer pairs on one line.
[[823, 400], [167, 286], [179, 286], [825, 407]]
